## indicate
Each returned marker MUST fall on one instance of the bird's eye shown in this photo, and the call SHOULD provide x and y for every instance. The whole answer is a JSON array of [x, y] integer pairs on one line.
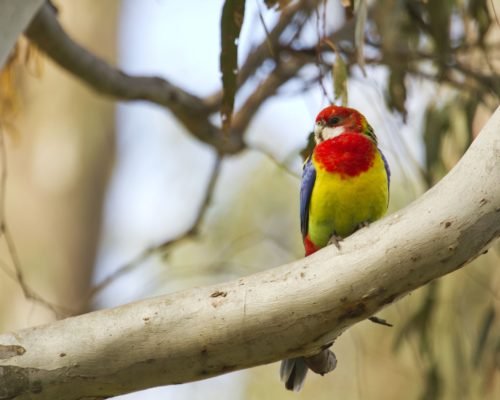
[[333, 120]]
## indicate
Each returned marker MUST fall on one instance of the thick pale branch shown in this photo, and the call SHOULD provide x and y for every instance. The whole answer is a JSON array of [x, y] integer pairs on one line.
[[286, 311]]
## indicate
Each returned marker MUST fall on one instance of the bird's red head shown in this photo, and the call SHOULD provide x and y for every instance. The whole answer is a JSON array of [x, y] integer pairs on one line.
[[334, 120]]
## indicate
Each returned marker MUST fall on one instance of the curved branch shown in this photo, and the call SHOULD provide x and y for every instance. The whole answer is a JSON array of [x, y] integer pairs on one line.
[[269, 48], [46, 32], [191, 232], [287, 311]]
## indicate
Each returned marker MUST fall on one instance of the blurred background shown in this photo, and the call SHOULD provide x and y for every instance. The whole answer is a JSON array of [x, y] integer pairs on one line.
[[97, 192]]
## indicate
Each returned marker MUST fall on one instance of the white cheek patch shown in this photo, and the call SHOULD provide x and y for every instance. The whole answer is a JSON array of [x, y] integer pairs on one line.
[[330, 132]]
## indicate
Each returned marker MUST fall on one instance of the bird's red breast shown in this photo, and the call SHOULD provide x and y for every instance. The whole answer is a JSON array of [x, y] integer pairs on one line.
[[348, 154]]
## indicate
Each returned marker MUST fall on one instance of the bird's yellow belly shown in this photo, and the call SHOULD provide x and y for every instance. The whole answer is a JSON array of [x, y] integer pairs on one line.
[[339, 205]]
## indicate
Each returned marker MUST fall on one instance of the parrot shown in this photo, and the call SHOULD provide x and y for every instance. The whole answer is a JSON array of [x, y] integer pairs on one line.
[[345, 186]]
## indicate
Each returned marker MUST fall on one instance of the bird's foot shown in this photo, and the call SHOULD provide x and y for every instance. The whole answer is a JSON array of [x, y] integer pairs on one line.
[[334, 239], [380, 321], [363, 224]]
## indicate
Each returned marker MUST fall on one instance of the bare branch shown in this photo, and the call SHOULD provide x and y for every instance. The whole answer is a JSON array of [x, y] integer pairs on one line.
[[269, 48], [292, 310], [286, 68], [18, 275], [46, 32], [281, 74], [166, 245]]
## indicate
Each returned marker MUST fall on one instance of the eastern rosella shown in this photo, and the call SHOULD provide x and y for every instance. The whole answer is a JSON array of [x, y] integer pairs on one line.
[[345, 185]]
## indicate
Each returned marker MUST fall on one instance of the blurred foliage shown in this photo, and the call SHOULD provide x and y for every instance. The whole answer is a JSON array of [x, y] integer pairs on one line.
[[444, 41], [22, 56], [339, 75]]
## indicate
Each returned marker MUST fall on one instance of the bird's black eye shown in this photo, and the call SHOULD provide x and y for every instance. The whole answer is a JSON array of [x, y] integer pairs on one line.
[[333, 120]]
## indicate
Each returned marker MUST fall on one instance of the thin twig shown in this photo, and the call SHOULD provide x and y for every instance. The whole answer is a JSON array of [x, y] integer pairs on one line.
[[269, 48], [283, 165], [191, 232], [266, 29], [281, 74], [319, 54], [5, 232]]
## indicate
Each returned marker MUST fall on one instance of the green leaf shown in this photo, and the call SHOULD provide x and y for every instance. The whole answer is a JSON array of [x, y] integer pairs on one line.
[[339, 74], [486, 328], [232, 19], [420, 322], [361, 9], [478, 10], [397, 91], [433, 385], [439, 15], [437, 124]]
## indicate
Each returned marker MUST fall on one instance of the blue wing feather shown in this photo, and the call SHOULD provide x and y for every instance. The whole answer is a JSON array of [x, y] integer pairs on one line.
[[308, 179], [387, 170]]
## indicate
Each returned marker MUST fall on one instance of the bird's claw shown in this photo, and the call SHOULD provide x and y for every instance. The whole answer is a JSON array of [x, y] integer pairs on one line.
[[363, 224], [334, 239]]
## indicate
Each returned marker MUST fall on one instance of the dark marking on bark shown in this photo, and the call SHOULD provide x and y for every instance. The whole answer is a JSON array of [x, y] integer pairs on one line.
[[389, 300], [483, 202], [218, 293], [353, 311], [11, 351], [62, 354], [227, 368]]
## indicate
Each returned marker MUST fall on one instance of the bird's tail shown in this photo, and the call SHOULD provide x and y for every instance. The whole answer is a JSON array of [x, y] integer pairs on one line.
[[293, 372]]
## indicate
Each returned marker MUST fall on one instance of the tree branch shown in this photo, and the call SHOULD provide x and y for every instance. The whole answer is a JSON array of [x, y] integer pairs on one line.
[[269, 48], [46, 32], [164, 246], [6, 234], [287, 311]]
